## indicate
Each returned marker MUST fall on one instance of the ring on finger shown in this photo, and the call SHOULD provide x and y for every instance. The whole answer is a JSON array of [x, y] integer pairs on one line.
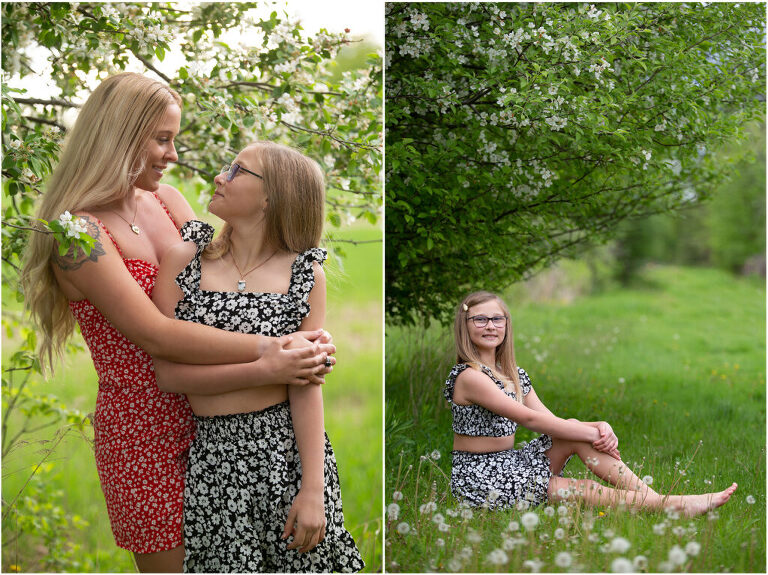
[[328, 362]]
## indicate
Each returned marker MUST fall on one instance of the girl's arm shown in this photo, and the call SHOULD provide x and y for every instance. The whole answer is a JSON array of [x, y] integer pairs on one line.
[[479, 389], [277, 364], [608, 441], [103, 279], [306, 518]]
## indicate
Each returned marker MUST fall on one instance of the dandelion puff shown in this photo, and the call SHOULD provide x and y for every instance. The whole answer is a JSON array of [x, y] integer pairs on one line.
[[397, 496], [443, 527], [621, 565], [713, 516], [549, 511], [523, 505], [609, 533], [451, 513], [533, 564], [677, 556], [564, 521], [672, 513], [692, 548], [659, 528], [435, 455], [454, 564], [497, 557], [562, 510], [563, 559], [513, 526], [393, 511], [666, 567], [620, 545], [473, 536], [678, 530], [403, 528], [647, 479], [593, 537], [493, 495], [438, 518], [751, 499], [559, 533], [529, 520], [640, 562], [466, 514], [440, 542], [428, 507]]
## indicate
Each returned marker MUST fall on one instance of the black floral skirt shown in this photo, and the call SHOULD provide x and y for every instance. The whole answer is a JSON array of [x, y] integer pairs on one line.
[[244, 472], [501, 479]]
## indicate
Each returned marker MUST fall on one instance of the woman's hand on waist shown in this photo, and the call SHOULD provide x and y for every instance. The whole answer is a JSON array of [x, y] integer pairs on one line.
[[306, 520]]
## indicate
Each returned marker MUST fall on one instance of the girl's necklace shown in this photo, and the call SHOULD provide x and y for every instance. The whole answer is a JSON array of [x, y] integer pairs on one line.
[[134, 228], [241, 282]]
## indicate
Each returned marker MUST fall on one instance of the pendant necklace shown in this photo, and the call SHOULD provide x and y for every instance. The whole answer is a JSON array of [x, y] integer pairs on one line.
[[134, 228], [241, 282]]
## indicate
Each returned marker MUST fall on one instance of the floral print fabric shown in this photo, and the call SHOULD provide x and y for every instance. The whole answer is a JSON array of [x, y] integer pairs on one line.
[[141, 435], [244, 474], [244, 469]]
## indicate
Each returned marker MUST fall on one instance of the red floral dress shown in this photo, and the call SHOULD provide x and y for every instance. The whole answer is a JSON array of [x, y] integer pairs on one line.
[[142, 435]]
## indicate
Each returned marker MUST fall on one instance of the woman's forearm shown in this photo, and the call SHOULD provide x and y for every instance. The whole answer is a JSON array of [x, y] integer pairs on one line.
[[206, 379], [308, 425]]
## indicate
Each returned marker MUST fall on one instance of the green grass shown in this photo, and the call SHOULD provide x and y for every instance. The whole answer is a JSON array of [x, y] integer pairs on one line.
[[353, 415], [677, 368]]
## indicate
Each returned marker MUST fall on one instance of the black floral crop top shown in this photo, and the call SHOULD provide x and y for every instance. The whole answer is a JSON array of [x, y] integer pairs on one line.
[[271, 314], [476, 420]]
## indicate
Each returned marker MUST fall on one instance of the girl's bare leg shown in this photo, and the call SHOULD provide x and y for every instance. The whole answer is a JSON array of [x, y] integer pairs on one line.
[[606, 467], [170, 561], [630, 490]]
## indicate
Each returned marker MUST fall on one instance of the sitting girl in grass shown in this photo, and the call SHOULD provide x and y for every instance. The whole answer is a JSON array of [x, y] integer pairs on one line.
[[490, 396]]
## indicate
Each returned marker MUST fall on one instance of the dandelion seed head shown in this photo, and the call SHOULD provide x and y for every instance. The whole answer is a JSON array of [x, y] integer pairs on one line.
[[533, 564], [443, 527], [559, 533], [659, 528], [440, 542], [678, 530], [497, 557], [513, 526], [397, 496], [393, 511], [677, 556], [692, 548], [529, 520], [620, 545], [438, 518], [647, 479], [750, 499], [549, 511], [621, 565], [473, 536], [428, 507], [523, 505], [403, 528], [562, 510], [466, 514], [563, 559], [435, 455], [640, 562]]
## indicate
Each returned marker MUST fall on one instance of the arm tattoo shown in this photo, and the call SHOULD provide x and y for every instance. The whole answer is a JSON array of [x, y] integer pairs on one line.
[[75, 257]]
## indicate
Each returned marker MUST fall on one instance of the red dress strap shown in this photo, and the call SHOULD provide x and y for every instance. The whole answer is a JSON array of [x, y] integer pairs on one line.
[[106, 229], [167, 211]]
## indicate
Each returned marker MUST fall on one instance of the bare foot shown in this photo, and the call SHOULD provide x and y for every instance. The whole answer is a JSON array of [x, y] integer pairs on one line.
[[692, 505]]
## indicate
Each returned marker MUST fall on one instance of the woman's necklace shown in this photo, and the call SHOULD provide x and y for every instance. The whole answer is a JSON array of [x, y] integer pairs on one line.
[[241, 282], [134, 228]]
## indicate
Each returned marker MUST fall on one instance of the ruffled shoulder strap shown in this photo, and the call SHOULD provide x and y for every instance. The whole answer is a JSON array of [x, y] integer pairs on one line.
[[525, 381], [450, 383], [303, 274], [201, 234]]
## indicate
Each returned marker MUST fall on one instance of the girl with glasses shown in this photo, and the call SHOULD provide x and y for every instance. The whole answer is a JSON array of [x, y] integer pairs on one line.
[[490, 395], [262, 489], [109, 177]]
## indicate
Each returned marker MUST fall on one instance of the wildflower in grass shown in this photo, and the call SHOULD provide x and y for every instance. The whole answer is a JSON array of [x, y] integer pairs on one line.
[[620, 545], [397, 496], [544, 537], [534, 565], [435, 455], [466, 514], [692, 549], [473, 536], [593, 537], [713, 516], [497, 557], [428, 507], [440, 542], [438, 518], [609, 533], [647, 479], [672, 513], [454, 564], [522, 505], [529, 520], [466, 553], [678, 530], [403, 528], [563, 493], [562, 510], [443, 527], [451, 512], [393, 511], [677, 556], [513, 526], [559, 533], [640, 563], [659, 528], [750, 499], [549, 511], [563, 559], [564, 521], [493, 495]]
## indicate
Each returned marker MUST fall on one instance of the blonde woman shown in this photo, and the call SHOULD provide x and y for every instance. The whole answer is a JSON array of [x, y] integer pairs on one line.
[[262, 489], [490, 395], [109, 176]]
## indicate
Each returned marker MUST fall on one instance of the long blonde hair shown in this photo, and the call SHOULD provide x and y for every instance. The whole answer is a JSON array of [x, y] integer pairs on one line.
[[466, 351], [103, 155], [295, 190]]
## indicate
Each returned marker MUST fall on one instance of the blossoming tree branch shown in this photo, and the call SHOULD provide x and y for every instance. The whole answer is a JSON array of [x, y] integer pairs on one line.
[[518, 134]]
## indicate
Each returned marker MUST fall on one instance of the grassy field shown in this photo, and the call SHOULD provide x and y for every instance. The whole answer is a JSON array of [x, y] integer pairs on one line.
[[677, 367], [353, 417]]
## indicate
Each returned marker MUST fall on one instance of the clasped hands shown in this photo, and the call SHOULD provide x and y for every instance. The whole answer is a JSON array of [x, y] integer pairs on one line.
[[301, 357], [608, 442]]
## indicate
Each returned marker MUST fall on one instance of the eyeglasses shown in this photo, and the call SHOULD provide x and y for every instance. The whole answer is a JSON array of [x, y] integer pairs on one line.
[[232, 170], [482, 321]]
